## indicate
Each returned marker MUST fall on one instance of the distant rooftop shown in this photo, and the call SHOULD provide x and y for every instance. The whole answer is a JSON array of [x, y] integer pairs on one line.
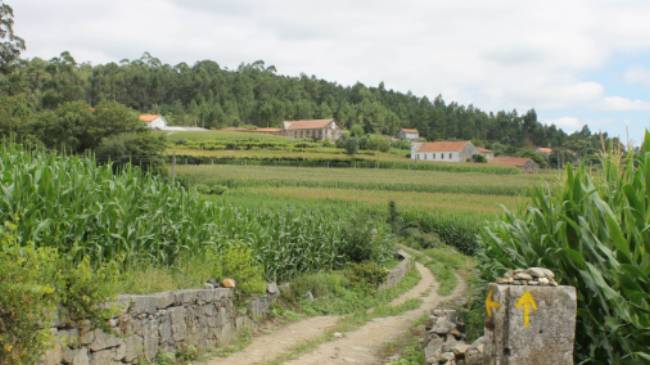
[[307, 124], [443, 146]]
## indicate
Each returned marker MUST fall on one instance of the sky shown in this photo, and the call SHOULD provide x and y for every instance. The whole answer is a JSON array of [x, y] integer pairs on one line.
[[576, 62]]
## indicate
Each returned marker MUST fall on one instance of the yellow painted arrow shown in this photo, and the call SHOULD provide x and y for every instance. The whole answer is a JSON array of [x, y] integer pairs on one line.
[[526, 302], [490, 304]]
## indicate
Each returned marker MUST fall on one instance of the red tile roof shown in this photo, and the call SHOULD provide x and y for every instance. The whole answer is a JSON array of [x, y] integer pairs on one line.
[[484, 150], [546, 150], [511, 161], [409, 130], [308, 124], [443, 146], [148, 118]]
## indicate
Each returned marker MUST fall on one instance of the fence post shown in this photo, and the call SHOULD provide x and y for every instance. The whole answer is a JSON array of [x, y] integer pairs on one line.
[[530, 319], [174, 167]]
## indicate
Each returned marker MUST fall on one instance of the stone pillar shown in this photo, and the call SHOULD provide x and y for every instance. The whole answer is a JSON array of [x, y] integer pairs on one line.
[[528, 322]]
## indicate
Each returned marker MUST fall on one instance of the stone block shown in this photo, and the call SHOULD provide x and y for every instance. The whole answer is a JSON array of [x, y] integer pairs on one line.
[[151, 339], [76, 356], [133, 349], [165, 328], [179, 327], [103, 340], [187, 296], [243, 322], [104, 357], [259, 306], [531, 325]]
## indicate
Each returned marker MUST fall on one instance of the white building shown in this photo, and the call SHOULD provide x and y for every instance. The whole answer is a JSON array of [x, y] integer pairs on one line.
[[444, 151], [409, 134], [154, 121]]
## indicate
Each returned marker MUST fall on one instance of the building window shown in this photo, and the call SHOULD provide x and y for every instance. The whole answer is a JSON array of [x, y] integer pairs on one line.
[[450, 155], [442, 156]]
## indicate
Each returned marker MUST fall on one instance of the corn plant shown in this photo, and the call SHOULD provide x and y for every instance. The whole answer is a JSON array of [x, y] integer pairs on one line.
[[86, 211], [594, 233]]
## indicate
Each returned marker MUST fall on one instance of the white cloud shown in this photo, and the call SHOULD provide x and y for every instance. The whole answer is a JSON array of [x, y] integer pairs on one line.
[[621, 104], [568, 124], [637, 76]]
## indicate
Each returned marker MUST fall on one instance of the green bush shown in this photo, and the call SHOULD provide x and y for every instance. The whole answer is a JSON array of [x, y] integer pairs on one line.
[[84, 290], [367, 274], [366, 241], [141, 149], [27, 296], [238, 262], [593, 233]]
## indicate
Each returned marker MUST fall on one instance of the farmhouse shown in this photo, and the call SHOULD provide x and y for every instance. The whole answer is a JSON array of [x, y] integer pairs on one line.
[[544, 150], [409, 134], [524, 163], [154, 121], [320, 129], [444, 151]]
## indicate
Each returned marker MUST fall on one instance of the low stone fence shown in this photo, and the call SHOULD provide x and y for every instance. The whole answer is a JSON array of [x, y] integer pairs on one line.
[[149, 324], [167, 322], [398, 272]]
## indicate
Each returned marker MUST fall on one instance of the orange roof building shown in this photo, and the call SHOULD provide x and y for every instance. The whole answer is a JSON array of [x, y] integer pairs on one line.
[[319, 129], [154, 121]]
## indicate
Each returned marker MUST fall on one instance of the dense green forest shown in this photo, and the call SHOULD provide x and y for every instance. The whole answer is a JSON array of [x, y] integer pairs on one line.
[[208, 95]]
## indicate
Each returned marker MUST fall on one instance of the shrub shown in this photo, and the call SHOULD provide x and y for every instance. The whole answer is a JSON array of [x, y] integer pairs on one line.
[[351, 145], [27, 296], [141, 149], [593, 233], [479, 158], [366, 273], [365, 241], [84, 290], [238, 262]]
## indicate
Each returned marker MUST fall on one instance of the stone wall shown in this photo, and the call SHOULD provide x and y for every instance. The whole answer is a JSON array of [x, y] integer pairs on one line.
[[398, 272], [149, 324], [166, 322]]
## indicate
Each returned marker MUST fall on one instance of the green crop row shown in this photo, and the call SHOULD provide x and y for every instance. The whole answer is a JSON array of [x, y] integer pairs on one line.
[[85, 210], [344, 162]]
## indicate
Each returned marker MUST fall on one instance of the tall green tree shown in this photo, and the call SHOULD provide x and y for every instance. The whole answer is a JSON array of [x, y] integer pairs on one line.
[[11, 45]]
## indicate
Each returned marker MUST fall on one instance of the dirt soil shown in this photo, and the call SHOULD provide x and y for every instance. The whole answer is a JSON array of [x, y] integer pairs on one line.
[[360, 346]]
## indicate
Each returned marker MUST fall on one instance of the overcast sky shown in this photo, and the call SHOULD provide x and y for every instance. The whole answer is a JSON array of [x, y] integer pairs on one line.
[[575, 62]]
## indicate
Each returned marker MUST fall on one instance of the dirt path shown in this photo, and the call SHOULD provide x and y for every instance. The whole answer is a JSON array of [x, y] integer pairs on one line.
[[361, 346], [268, 346], [356, 347]]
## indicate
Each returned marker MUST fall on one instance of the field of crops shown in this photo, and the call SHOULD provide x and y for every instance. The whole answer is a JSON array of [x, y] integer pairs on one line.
[[86, 211], [365, 179], [240, 148]]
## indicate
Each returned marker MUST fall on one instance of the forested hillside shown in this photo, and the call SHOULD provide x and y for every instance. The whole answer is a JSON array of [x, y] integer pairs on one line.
[[209, 95]]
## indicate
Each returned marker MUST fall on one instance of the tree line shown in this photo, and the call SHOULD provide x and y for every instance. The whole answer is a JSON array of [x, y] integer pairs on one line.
[[209, 95]]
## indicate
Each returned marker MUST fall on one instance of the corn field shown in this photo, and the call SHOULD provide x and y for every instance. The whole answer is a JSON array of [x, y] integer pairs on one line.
[[84, 210], [594, 233]]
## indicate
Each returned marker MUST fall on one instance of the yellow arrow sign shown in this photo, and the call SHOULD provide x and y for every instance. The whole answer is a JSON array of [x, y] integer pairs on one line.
[[526, 302], [490, 304]]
